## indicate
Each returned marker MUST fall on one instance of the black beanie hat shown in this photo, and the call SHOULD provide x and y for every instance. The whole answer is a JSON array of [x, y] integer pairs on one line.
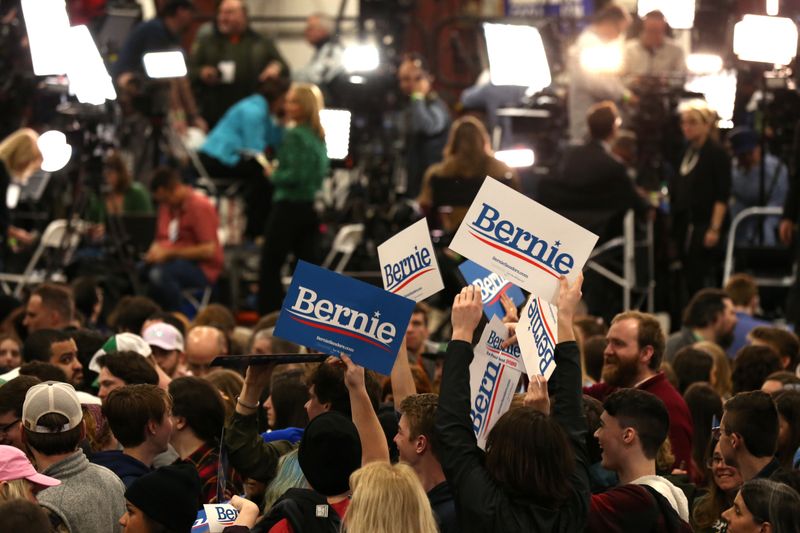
[[330, 451], [169, 496]]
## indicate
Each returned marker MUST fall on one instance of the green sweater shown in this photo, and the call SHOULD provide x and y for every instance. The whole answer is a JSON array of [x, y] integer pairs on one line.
[[136, 201], [303, 163]]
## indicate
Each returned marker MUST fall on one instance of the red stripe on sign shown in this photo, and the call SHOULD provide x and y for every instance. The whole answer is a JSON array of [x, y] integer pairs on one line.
[[500, 293], [412, 278], [340, 331], [518, 256], [491, 405], [544, 319]]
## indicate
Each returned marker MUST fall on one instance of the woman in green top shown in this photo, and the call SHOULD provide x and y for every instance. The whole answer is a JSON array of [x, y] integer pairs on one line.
[[122, 195], [292, 225]]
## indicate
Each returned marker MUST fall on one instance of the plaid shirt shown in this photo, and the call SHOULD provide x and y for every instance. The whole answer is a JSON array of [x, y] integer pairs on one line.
[[205, 459]]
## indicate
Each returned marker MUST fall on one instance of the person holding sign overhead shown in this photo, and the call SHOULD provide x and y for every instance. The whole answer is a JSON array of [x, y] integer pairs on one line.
[[302, 164], [534, 475]]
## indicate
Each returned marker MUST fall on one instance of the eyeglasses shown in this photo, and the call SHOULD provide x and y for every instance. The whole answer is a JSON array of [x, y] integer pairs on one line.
[[715, 461], [8, 427], [716, 432]]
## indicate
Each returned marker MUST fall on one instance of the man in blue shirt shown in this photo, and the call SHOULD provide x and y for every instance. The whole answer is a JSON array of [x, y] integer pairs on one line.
[[746, 188], [743, 292]]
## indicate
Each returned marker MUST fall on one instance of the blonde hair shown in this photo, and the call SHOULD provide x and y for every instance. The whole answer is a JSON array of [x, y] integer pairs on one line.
[[388, 499], [311, 102], [15, 489], [19, 151], [701, 110], [721, 370]]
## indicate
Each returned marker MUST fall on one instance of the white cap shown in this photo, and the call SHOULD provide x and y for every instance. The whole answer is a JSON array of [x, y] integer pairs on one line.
[[48, 398]]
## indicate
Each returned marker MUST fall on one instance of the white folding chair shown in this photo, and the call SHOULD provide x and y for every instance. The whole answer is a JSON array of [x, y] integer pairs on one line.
[[55, 237]]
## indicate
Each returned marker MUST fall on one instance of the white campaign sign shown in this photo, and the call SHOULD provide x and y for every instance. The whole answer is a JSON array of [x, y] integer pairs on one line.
[[408, 264], [523, 241], [493, 378], [220, 516], [537, 336]]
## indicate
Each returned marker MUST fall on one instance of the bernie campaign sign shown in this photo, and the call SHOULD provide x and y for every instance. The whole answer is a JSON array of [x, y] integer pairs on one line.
[[493, 377], [521, 240], [537, 335], [408, 264], [339, 315], [213, 518], [492, 286]]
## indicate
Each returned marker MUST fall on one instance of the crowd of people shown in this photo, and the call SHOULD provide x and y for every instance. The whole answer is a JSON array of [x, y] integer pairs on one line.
[[125, 425], [113, 416]]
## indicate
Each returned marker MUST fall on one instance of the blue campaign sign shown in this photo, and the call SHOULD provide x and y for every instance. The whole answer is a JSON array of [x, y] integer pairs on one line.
[[339, 315], [492, 287]]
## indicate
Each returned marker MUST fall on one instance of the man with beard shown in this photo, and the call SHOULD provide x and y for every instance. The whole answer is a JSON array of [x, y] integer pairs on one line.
[[748, 434], [632, 359], [710, 316]]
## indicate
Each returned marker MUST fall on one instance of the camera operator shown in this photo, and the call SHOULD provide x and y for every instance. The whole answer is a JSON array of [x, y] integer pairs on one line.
[[654, 55]]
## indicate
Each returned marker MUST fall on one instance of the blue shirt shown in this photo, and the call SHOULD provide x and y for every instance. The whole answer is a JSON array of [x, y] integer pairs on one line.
[[744, 325], [293, 435], [245, 126], [745, 193]]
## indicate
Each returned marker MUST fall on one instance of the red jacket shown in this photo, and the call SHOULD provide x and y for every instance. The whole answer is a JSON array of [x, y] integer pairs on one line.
[[680, 419]]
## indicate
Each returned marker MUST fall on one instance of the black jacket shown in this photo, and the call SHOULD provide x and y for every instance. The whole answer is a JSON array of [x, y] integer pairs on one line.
[[592, 189], [483, 506]]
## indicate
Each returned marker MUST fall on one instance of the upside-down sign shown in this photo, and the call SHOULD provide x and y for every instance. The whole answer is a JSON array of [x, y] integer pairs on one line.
[[408, 264], [523, 241], [339, 315], [493, 377]]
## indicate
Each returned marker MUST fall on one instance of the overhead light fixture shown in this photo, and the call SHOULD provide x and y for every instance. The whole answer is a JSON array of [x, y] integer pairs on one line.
[[56, 153], [516, 158], [361, 58], [88, 78], [765, 39], [719, 90], [47, 25], [772, 7], [507, 66], [169, 64], [703, 63], [336, 123], [679, 13]]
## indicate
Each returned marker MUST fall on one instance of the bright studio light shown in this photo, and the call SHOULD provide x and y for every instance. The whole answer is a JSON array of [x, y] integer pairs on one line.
[[772, 7], [507, 66], [88, 77], [602, 58], [165, 64], [48, 27], [719, 90], [336, 123], [703, 63], [517, 158], [679, 13], [56, 153], [361, 58], [765, 39]]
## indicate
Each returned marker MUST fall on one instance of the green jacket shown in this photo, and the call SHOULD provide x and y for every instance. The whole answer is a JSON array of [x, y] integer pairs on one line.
[[136, 201], [251, 54], [247, 451], [303, 164]]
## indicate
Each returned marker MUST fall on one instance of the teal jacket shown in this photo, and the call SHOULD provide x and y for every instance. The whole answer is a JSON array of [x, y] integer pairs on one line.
[[303, 164]]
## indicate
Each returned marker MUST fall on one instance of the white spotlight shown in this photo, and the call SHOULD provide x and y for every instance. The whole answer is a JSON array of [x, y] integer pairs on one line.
[[720, 92], [765, 39], [507, 66], [170, 64], [679, 13], [48, 26], [88, 77], [516, 158], [772, 7], [336, 123], [56, 153], [703, 63], [361, 58]]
